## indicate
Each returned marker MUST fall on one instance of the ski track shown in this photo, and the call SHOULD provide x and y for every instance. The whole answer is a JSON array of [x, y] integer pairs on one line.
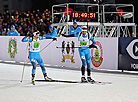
[[124, 87]]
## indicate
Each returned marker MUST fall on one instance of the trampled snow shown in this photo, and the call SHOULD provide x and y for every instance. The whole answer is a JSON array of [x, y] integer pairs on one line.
[[124, 87]]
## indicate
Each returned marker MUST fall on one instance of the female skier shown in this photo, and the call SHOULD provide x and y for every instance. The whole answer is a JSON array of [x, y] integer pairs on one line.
[[34, 52]]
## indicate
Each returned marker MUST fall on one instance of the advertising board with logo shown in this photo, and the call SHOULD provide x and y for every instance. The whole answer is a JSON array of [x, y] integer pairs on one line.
[[65, 53], [12, 50], [62, 52], [97, 55], [106, 56], [128, 54]]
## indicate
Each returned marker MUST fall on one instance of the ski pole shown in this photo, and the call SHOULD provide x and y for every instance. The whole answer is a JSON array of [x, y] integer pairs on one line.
[[24, 63], [77, 47], [46, 46], [71, 47], [22, 73]]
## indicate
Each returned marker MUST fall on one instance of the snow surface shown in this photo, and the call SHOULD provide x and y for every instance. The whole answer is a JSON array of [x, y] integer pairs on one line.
[[124, 87]]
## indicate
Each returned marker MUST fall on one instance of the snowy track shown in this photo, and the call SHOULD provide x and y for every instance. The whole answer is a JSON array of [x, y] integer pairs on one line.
[[124, 87]]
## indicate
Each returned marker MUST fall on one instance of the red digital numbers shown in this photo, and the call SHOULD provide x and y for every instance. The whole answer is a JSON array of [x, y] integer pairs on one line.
[[84, 15], [75, 14], [92, 15]]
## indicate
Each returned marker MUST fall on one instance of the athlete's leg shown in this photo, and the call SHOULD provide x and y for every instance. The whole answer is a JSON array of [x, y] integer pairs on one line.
[[83, 60], [34, 67], [88, 61], [40, 62], [33, 61], [82, 56]]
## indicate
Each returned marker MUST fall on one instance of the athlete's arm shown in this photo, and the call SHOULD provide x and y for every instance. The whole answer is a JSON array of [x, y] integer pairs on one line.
[[71, 35], [25, 39], [93, 40]]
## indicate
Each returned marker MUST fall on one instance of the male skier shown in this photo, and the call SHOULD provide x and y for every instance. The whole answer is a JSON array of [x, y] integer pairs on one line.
[[84, 43], [85, 38]]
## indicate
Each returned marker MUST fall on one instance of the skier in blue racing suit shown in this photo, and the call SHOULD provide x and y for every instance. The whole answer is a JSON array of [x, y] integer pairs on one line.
[[34, 52], [85, 54], [84, 40]]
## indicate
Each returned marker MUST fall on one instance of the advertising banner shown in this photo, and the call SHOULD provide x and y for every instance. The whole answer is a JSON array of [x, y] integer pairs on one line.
[[62, 52], [128, 54], [106, 56]]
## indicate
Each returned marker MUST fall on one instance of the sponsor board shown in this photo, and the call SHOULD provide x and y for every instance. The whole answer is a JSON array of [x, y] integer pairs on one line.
[[97, 55], [105, 57], [12, 49], [68, 51], [128, 54]]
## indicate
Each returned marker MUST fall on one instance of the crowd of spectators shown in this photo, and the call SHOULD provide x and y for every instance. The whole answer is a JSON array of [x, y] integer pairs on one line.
[[25, 21]]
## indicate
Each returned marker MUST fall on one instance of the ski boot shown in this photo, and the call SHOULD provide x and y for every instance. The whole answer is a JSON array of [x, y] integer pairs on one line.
[[83, 80], [89, 79], [33, 81], [46, 77]]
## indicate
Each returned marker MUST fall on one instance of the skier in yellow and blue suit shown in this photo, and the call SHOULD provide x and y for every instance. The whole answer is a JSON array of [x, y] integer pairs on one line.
[[34, 52], [84, 50], [84, 42]]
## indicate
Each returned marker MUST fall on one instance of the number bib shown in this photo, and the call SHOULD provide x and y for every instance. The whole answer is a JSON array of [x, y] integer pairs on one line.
[[84, 42], [34, 46]]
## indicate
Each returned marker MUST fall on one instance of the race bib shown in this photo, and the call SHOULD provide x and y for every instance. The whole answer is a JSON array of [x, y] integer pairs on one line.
[[36, 44], [83, 43]]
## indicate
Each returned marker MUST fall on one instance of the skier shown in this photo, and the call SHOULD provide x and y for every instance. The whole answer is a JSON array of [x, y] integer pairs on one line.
[[85, 54], [84, 38], [34, 52], [75, 30]]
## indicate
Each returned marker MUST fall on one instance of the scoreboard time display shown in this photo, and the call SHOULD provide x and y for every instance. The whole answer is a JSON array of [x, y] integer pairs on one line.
[[84, 15]]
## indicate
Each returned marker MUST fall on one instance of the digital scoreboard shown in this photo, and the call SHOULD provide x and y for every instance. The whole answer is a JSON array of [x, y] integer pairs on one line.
[[84, 15]]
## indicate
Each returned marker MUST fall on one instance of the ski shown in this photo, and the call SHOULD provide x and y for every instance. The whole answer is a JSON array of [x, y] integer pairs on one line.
[[99, 82], [63, 81]]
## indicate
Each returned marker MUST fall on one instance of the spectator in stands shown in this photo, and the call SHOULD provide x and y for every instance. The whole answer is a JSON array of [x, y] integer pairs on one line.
[[13, 31], [25, 21], [75, 29], [0, 31], [52, 32], [0, 22], [4, 32]]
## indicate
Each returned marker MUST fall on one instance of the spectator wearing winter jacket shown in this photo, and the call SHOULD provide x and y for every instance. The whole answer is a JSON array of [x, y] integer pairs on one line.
[[13, 32], [52, 32], [75, 30]]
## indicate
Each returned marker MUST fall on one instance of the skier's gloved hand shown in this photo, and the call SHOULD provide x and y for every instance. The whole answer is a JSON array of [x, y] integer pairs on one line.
[[92, 46], [29, 34], [77, 33], [54, 39]]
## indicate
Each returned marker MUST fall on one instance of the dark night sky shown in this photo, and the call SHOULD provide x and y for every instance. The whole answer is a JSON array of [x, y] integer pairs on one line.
[[134, 2], [42, 4]]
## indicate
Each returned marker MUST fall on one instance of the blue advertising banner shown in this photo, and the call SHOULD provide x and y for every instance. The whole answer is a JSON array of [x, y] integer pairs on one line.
[[128, 54]]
